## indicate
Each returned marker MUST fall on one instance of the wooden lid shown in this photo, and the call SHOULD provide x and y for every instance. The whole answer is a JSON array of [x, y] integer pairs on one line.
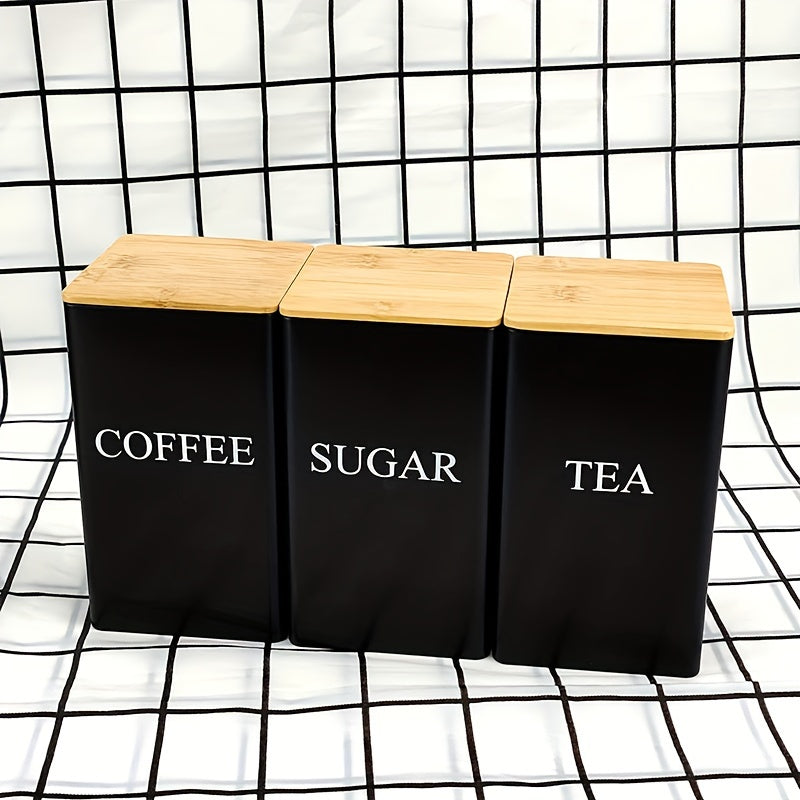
[[384, 284], [186, 272], [628, 298]]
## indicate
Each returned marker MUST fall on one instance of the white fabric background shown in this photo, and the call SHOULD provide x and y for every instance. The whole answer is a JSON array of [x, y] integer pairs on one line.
[[688, 161]]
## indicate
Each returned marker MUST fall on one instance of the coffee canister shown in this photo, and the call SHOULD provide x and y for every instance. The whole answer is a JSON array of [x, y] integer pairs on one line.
[[174, 348]]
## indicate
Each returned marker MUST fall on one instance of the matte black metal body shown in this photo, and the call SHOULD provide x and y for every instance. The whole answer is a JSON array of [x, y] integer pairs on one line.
[[395, 564], [178, 547], [607, 579]]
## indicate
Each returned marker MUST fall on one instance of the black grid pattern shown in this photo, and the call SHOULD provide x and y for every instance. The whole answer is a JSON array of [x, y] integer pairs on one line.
[[593, 129]]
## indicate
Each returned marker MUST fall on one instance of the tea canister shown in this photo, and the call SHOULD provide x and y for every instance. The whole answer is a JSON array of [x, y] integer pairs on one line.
[[616, 389]]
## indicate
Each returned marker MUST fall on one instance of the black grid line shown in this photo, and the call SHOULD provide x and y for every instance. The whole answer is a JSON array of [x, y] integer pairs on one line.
[[473, 224], [605, 150], [27, 351], [192, 94], [485, 241], [334, 167], [33, 497], [413, 73], [401, 109], [470, 735], [59, 714], [673, 135], [64, 460], [48, 144], [524, 155], [421, 785], [262, 66], [573, 735], [410, 785], [652, 699], [366, 727], [537, 125], [677, 230], [264, 730], [123, 158], [3, 381], [152, 781], [676, 742]]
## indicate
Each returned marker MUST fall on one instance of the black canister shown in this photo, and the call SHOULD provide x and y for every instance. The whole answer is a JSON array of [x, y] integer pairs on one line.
[[174, 351], [617, 379], [391, 358]]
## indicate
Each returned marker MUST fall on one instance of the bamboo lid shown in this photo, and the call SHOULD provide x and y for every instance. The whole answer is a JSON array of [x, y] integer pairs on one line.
[[186, 272], [628, 298], [384, 284]]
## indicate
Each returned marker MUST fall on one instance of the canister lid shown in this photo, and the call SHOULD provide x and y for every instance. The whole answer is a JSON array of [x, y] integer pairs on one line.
[[186, 272], [384, 284], [628, 298]]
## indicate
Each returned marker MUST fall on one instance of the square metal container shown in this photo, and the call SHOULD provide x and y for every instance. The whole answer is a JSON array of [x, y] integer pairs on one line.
[[174, 346], [616, 391], [391, 361]]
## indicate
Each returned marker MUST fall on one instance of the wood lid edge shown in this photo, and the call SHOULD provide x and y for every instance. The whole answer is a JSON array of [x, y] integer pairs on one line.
[[400, 319], [76, 294], [720, 325]]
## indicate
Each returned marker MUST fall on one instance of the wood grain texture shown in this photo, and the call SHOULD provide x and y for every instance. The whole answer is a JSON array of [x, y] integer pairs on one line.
[[630, 298], [186, 272], [384, 284]]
